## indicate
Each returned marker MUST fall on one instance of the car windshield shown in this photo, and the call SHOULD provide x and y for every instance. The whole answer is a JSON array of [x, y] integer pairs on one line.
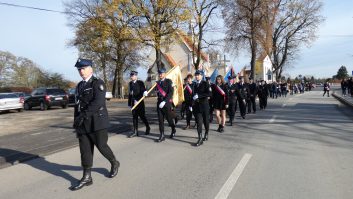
[[55, 92], [7, 95]]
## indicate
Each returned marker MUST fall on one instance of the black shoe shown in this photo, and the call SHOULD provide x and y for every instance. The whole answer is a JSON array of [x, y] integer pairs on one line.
[[161, 138], [199, 142], [243, 116], [173, 133], [86, 180], [187, 127], [148, 129], [114, 169], [221, 130], [205, 138]]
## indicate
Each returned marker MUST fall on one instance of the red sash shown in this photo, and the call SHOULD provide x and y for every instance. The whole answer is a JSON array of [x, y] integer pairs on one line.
[[220, 91], [187, 87], [161, 91]]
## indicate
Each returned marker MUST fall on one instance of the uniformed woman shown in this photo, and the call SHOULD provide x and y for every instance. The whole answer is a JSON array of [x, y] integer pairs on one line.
[[220, 101]]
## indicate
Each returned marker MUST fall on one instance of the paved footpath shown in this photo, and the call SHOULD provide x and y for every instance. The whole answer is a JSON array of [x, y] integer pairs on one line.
[[300, 147]]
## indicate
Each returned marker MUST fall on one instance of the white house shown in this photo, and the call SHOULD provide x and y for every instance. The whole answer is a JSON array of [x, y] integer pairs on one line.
[[263, 69]]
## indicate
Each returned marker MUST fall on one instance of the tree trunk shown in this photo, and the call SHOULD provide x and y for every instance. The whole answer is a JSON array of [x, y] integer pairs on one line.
[[120, 80], [253, 58], [115, 79], [158, 58]]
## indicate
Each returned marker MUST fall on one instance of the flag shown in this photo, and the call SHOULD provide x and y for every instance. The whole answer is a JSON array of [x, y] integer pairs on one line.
[[214, 75], [229, 74], [175, 75]]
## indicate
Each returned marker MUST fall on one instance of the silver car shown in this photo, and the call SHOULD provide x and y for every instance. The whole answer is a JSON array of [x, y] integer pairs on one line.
[[10, 101]]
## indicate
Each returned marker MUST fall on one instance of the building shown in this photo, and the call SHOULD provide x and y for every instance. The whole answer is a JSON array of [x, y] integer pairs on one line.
[[263, 70], [179, 53]]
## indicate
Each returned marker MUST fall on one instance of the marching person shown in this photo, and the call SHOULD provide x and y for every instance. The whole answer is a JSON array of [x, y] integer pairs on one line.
[[252, 96], [326, 89], [137, 90], [188, 90], [201, 107], [164, 89], [232, 88], [220, 101], [210, 100], [242, 96], [262, 94], [91, 122]]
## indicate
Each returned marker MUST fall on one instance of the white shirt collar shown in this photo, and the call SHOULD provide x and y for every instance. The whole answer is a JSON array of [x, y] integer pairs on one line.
[[88, 78]]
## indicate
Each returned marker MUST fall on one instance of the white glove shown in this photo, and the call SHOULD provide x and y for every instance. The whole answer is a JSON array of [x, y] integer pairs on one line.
[[145, 93], [161, 105], [227, 106], [190, 108], [195, 97]]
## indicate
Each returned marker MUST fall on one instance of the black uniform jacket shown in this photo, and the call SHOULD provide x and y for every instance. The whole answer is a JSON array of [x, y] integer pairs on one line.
[[252, 90], [203, 92], [232, 93], [187, 94], [91, 103], [242, 91], [136, 91], [167, 86]]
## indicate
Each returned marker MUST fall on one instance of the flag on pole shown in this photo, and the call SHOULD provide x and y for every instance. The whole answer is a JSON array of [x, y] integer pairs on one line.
[[229, 74], [214, 75], [175, 76]]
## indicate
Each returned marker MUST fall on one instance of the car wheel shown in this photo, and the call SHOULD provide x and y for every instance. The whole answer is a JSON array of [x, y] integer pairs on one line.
[[65, 106], [27, 106], [43, 106]]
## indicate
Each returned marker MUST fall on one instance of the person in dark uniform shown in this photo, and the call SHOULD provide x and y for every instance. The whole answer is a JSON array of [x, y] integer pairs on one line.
[[220, 101], [232, 91], [183, 104], [242, 96], [91, 122], [210, 100], [262, 94], [252, 96], [266, 93], [188, 90], [164, 89], [137, 90], [201, 107]]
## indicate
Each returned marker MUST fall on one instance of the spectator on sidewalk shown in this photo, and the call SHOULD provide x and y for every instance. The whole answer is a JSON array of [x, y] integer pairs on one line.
[[326, 89]]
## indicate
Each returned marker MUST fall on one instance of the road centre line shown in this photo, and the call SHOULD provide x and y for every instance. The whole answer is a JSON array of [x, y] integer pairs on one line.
[[233, 178], [273, 119]]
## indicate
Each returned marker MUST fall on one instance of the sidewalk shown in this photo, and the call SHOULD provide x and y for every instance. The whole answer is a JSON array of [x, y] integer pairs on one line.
[[347, 100]]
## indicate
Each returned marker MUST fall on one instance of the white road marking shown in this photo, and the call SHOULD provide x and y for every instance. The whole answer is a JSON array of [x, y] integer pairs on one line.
[[284, 105], [233, 178], [273, 119]]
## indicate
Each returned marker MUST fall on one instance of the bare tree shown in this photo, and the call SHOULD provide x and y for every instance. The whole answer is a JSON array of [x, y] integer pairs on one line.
[[243, 19], [202, 11], [295, 25]]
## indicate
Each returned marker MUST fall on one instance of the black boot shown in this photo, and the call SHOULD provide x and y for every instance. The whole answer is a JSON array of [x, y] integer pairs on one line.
[[173, 133], [219, 128], [161, 137], [114, 168], [205, 138], [231, 121], [134, 133], [86, 180], [148, 129], [200, 141]]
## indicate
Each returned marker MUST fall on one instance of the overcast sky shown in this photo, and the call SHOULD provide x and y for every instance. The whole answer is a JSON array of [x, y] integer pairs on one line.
[[43, 37]]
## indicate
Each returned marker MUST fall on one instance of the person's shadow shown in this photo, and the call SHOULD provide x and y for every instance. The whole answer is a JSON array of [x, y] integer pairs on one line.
[[9, 156]]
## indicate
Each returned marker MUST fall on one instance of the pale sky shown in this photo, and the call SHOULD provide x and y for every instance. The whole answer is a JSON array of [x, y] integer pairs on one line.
[[43, 37]]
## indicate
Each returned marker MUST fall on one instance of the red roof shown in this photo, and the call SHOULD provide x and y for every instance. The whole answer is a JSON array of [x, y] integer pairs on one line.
[[187, 41]]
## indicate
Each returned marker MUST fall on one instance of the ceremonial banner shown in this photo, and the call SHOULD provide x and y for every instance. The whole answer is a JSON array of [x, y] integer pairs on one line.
[[175, 75]]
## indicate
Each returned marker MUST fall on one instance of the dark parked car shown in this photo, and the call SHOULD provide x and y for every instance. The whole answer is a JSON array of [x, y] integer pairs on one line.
[[46, 98], [72, 95]]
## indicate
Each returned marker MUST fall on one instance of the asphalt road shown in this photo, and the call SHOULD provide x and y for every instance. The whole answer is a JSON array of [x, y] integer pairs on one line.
[[300, 147]]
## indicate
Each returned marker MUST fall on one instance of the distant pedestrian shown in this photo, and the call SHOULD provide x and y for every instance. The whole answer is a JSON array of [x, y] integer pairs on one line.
[[326, 89]]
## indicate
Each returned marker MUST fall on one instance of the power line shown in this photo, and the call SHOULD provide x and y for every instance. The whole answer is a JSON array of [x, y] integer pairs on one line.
[[30, 7]]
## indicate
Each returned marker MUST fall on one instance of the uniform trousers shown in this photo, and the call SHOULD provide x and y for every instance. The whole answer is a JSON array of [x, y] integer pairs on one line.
[[202, 116], [139, 111], [87, 141], [165, 113]]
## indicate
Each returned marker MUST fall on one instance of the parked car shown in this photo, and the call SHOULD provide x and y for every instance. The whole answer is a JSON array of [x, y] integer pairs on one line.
[[22, 94], [108, 95], [46, 98], [72, 95], [10, 101]]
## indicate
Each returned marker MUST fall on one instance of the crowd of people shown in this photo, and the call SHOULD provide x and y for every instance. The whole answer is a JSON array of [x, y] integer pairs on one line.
[[347, 87]]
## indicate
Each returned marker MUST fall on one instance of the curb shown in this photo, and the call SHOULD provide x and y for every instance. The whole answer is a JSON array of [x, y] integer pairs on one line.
[[342, 100]]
